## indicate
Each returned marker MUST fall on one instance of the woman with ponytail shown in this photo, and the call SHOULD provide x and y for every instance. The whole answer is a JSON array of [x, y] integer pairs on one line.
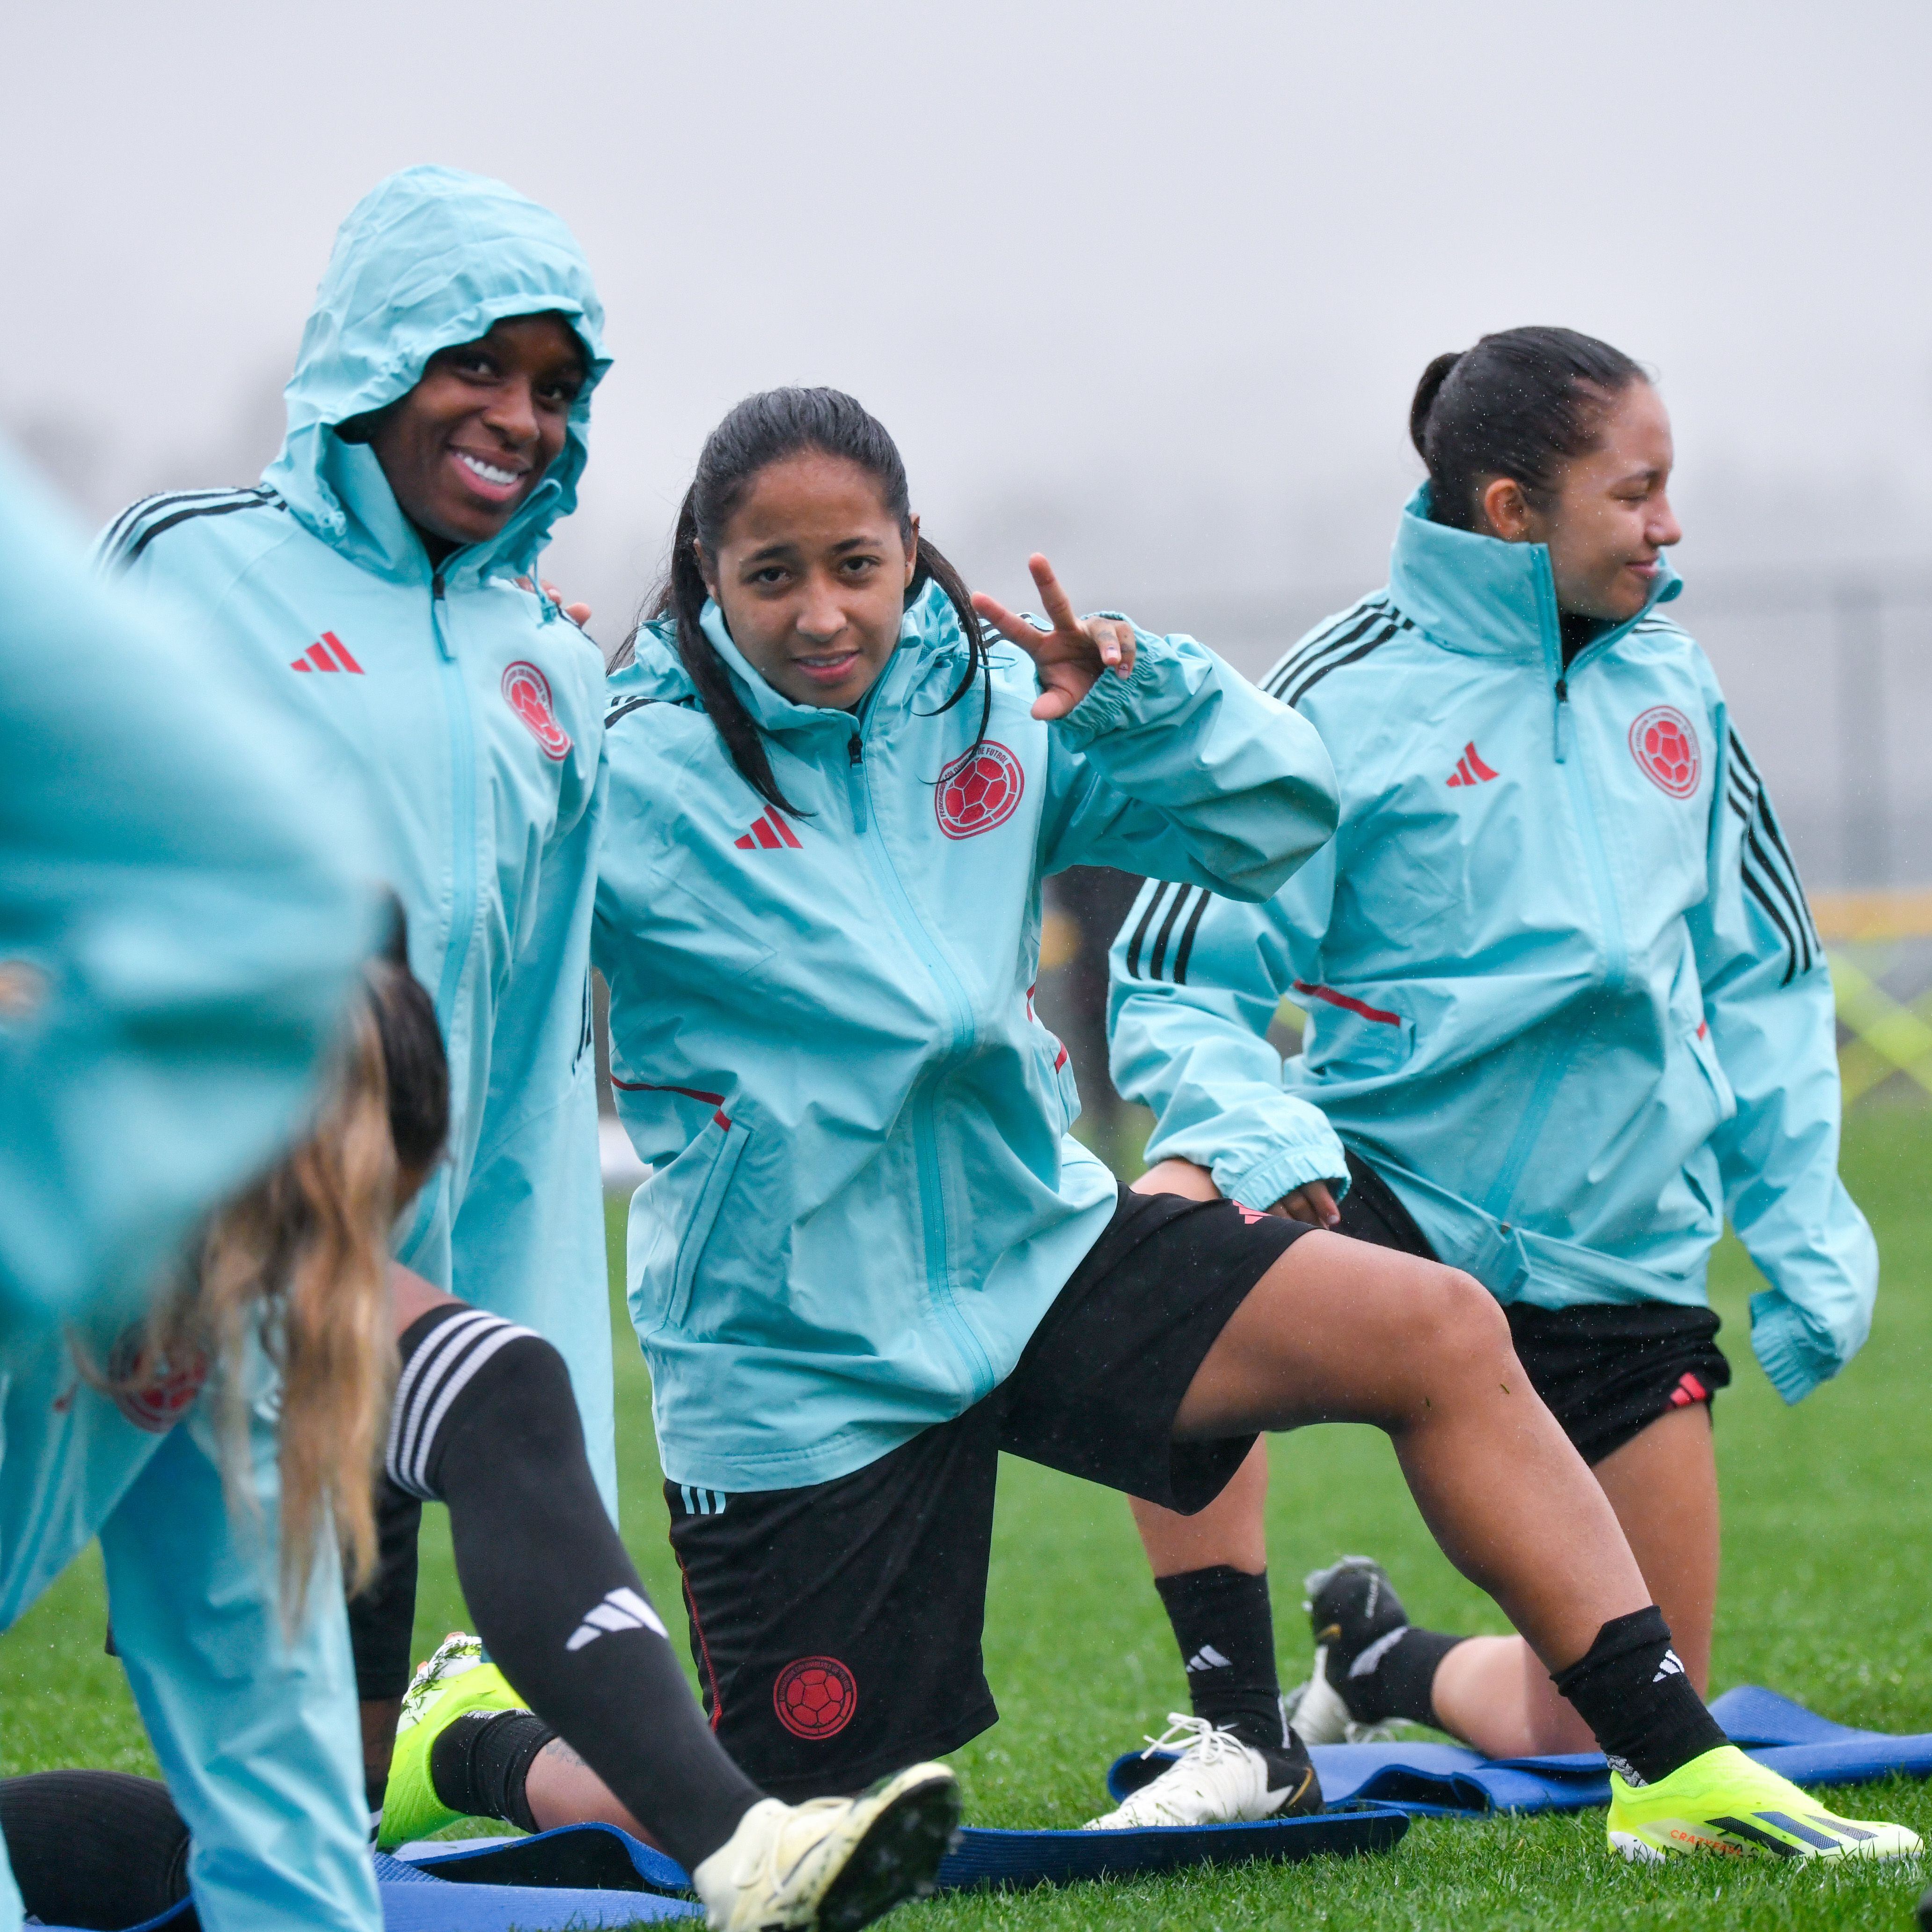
[[1566, 1010], [870, 1255]]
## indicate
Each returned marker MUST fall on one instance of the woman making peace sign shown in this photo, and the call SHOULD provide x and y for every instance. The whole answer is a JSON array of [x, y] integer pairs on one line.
[[870, 1256]]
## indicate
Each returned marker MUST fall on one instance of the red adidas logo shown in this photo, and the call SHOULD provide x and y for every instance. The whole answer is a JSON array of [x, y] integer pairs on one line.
[[768, 833], [331, 653], [1470, 769]]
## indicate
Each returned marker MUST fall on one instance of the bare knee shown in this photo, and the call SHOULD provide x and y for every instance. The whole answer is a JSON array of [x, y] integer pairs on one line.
[[1460, 1335]]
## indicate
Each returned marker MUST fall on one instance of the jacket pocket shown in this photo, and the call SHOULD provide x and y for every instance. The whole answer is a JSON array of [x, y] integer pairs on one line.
[[1347, 1036], [685, 1200], [1704, 1051]]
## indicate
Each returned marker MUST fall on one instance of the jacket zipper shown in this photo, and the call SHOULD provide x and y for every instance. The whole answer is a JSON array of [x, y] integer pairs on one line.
[[463, 808], [925, 1124], [1549, 1075], [463, 860]]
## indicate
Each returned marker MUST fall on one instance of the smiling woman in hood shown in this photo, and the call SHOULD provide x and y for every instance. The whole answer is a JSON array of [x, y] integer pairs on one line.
[[437, 422]]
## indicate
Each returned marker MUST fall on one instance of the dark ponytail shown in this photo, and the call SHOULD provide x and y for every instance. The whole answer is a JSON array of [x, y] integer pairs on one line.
[[1520, 404], [763, 430]]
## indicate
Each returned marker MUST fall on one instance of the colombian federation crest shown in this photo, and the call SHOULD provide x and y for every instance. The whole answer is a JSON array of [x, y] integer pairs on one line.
[[1664, 744], [815, 1697], [979, 790], [526, 691]]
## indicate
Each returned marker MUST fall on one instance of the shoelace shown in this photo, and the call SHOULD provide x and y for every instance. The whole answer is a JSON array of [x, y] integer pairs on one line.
[[1195, 1738]]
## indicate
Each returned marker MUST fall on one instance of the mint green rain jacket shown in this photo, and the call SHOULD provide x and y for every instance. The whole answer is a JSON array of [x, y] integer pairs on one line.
[[179, 929], [865, 1195], [463, 712], [1564, 992]]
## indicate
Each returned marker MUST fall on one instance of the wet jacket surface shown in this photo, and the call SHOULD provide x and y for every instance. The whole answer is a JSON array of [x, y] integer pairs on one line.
[[465, 712], [865, 1195], [178, 939], [1562, 987]]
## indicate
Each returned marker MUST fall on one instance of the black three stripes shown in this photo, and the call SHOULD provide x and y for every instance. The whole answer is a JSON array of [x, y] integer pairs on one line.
[[1769, 875], [1184, 896], [138, 525], [1366, 627], [1352, 636]]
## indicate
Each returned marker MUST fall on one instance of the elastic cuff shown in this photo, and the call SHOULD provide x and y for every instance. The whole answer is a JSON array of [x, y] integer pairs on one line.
[[1788, 1349], [1103, 706], [1268, 1181]]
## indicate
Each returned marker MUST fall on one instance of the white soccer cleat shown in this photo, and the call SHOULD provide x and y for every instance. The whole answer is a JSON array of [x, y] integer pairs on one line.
[[832, 1863], [1215, 1780], [1316, 1711]]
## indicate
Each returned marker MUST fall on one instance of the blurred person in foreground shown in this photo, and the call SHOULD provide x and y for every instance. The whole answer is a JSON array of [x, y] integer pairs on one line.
[[1567, 1011], [379, 577], [483, 1420], [177, 933]]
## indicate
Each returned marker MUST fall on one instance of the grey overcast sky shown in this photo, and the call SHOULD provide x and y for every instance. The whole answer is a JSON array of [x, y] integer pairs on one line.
[[1147, 285]]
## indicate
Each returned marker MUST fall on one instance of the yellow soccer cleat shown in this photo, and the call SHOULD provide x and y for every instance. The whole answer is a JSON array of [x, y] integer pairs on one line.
[[1725, 1803], [454, 1680]]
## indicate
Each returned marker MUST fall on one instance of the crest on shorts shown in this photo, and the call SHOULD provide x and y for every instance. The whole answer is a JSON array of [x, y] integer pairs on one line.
[[815, 1697], [1665, 746], [526, 691], [980, 789], [152, 1392]]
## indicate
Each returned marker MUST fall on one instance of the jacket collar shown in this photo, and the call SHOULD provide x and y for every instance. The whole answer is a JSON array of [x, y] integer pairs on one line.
[[1480, 595]]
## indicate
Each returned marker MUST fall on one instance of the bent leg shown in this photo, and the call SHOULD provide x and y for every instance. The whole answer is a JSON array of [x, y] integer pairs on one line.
[[1663, 1484], [1340, 1331], [487, 1423]]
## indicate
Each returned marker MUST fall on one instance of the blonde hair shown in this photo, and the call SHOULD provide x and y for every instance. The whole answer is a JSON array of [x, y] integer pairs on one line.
[[302, 1260]]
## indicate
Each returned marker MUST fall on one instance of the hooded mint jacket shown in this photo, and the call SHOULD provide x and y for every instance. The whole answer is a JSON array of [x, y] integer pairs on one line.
[[179, 931], [1562, 987], [865, 1195], [464, 712]]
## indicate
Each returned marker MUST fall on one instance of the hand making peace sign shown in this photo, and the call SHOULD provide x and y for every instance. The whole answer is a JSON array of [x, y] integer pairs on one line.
[[1071, 656]]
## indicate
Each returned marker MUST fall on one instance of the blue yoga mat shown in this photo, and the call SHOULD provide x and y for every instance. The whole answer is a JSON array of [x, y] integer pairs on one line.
[[1449, 1781], [417, 1900], [598, 1855]]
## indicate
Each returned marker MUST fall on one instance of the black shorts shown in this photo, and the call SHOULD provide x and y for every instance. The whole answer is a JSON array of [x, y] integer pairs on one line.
[[836, 1628], [1607, 1371]]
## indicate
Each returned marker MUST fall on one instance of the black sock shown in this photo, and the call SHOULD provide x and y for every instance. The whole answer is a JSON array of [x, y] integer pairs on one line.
[[382, 1618], [1225, 1626], [478, 1764], [94, 1847], [485, 1421], [1399, 1678], [1631, 1688]]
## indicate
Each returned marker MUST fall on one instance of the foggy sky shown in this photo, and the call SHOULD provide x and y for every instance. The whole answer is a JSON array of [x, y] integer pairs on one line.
[[1149, 285]]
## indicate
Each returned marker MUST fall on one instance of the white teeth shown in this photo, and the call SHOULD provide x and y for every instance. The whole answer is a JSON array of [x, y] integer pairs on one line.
[[488, 471]]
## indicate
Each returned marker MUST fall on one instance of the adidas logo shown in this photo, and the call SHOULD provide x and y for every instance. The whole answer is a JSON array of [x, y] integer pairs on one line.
[[768, 833], [1671, 1667], [329, 653], [620, 1610], [1208, 1658], [1470, 769]]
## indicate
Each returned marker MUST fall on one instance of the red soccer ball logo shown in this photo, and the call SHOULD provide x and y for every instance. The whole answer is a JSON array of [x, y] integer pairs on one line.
[[526, 691], [1665, 747], [815, 1697], [979, 790]]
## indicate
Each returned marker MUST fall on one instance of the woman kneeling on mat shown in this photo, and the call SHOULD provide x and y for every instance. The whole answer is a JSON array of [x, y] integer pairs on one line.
[[1567, 1009], [870, 1256]]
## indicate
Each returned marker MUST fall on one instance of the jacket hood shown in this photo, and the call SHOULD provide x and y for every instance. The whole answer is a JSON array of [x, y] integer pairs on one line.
[[1478, 593], [429, 258]]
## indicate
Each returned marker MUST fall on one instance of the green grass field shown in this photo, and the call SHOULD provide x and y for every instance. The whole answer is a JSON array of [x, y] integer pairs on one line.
[[1827, 1579]]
